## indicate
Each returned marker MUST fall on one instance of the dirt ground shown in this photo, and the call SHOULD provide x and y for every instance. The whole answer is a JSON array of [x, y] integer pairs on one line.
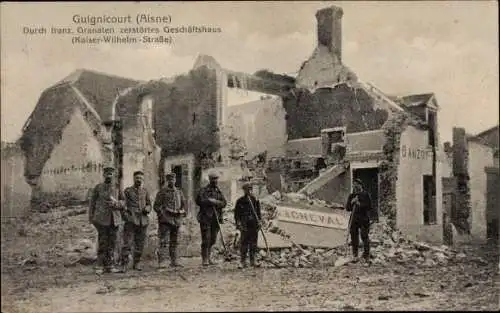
[[47, 285]]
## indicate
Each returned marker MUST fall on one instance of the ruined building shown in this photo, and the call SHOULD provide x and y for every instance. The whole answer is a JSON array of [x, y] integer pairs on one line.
[[214, 117], [472, 193]]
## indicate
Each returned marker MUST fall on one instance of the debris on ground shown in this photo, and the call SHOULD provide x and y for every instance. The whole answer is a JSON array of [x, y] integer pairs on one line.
[[387, 244], [73, 241]]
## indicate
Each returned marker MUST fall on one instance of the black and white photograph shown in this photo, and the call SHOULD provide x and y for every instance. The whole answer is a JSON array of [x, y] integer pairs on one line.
[[204, 156]]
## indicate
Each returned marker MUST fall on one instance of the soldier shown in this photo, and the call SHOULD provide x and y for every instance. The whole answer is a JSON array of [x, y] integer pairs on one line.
[[247, 217], [359, 203], [211, 202], [170, 207], [138, 207], [105, 209]]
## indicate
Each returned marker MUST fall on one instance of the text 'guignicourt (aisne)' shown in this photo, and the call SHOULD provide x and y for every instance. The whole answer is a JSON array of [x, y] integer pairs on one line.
[[140, 18]]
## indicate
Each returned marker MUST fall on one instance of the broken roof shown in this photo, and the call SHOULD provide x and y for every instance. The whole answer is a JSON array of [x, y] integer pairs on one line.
[[99, 89], [90, 90], [488, 131], [487, 137], [417, 99], [262, 81]]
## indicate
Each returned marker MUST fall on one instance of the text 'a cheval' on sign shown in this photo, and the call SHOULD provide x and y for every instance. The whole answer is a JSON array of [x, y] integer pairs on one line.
[[313, 218], [310, 227]]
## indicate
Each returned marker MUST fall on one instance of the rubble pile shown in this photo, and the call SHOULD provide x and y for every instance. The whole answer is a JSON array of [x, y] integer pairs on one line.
[[392, 246], [387, 245]]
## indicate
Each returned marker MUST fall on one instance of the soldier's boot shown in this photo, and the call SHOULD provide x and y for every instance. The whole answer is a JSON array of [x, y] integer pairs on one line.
[[243, 263], [112, 269], [124, 264], [355, 257], [99, 267], [137, 262], [209, 252], [161, 260], [253, 262], [173, 259], [204, 257]]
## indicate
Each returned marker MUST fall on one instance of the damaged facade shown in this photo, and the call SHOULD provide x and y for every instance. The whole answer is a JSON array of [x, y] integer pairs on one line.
[[318, 131], [66, 138], [16, 193], [473, 202]]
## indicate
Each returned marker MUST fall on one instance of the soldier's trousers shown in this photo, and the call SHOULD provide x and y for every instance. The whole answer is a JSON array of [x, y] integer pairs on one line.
[[168, 235], [248, 242], [106, 243], [360, 227], [134, 236], [209, 232]]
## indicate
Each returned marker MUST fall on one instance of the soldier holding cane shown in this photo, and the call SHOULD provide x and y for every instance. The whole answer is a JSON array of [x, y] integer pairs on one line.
[[247, 216], [359, 203], [211, 202]]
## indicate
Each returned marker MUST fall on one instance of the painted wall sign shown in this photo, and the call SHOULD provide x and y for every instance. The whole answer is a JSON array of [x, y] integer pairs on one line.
[[315, 218], [412, 153], [415, 153]]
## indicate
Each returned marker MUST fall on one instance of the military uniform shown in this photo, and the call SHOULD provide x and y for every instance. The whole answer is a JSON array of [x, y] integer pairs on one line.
[[207, 217], [360, 204], [138, 207], [170, 207], [247, 216], [105, 215]]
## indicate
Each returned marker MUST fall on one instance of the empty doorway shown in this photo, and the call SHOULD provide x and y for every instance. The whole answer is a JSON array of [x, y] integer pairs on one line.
[[429, 199]]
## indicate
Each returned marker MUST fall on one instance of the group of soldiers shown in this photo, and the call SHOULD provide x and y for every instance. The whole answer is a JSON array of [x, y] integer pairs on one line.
[[111, 208]]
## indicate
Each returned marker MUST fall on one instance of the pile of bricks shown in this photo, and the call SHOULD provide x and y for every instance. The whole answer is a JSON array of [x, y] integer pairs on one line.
[[388, 245]]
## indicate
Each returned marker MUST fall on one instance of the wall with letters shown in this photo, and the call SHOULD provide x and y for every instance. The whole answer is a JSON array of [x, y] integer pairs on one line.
[[416, 161], [76, 163]]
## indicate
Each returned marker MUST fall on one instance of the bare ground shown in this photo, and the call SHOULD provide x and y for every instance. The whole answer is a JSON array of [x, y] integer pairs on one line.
[[471, 284]]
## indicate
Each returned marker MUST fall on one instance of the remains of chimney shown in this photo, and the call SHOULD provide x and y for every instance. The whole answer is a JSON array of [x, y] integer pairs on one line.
[[329, 29], [460, 151]]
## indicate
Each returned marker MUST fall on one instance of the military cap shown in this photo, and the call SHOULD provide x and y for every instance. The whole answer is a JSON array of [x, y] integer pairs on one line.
[[213, 174], [138, 173], [358, 181], [108, 169], [170, 175]]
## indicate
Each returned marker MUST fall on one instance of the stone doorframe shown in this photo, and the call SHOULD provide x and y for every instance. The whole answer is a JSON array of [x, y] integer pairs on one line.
[[187, 162]]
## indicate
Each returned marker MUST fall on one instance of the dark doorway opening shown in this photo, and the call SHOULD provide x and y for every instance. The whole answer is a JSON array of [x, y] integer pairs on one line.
[[369, 177], [177, 170], [429, 194]]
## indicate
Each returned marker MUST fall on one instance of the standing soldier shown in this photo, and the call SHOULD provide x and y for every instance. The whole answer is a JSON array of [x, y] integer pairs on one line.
[[211, 202], [359, 203], [105, 209], [170, 207], [138, 207], [247, 217]]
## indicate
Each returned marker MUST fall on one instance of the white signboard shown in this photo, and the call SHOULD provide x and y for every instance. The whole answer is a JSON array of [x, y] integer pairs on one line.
[[315, 218]]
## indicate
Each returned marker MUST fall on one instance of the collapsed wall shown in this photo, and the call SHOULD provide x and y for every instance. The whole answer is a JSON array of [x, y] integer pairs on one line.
[[310, 112]]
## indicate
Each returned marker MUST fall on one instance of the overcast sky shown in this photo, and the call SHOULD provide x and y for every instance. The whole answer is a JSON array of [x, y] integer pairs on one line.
[[449, 48]]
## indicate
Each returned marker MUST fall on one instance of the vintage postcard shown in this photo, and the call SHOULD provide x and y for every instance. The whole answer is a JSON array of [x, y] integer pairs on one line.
[[249, 156]]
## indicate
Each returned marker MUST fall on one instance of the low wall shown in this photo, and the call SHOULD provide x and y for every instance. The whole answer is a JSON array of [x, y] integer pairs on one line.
[[428, 233]]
